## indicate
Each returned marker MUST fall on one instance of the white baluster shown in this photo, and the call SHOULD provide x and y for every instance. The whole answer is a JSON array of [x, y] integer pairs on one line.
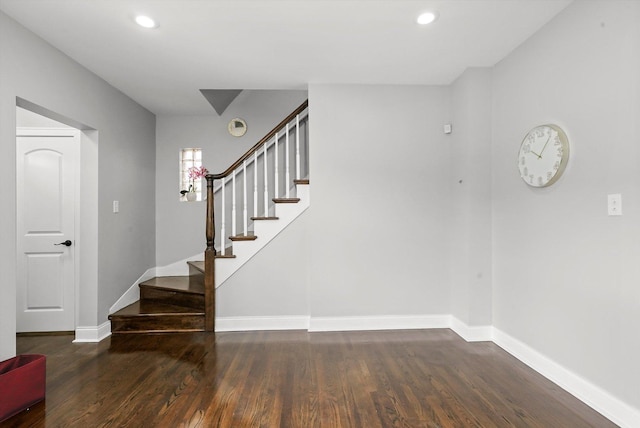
[[297, 147], [223, 228], [287, 178], [266, 182], [276, 169], [255, 183], [233, 204], [244, 198]]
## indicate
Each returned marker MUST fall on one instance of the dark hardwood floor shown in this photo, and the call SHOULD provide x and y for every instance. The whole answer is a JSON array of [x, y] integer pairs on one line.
[[410, 378]]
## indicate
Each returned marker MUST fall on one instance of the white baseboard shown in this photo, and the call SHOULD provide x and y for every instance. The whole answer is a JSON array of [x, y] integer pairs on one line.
[[595, 397], [388, 322], [262, 323], [93, 334], [482, 333]]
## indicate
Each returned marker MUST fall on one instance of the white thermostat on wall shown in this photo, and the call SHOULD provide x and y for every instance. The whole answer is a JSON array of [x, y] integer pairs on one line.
[[447, 128]]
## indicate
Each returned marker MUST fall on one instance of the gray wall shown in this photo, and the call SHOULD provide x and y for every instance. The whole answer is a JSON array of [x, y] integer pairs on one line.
[[566, 278], [374, 241], [275, 282], [379, 200], [32, 70], [28, 119], [180, 225], [470, 184]]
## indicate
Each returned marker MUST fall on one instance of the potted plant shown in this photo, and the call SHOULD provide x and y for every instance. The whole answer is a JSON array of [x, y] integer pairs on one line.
[[195, 173]]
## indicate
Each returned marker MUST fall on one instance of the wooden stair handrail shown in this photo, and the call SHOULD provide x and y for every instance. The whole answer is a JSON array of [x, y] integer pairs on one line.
[[259, 144], [210, 252]]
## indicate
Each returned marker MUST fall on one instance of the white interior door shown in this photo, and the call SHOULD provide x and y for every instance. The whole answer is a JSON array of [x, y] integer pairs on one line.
[[46, 205]]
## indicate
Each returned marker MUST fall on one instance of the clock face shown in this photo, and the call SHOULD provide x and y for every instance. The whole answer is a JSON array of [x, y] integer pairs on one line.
[[237, 127], [543, 155]]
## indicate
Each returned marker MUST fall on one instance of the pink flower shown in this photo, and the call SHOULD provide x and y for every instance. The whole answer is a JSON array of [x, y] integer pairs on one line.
[[196, 172]]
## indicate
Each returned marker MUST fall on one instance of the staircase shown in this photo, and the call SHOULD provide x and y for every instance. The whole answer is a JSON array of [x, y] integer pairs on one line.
[[167, 304], [270, 199]]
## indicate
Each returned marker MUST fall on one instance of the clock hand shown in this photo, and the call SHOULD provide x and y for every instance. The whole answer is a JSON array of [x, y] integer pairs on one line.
[[539, 157], [544, 147]]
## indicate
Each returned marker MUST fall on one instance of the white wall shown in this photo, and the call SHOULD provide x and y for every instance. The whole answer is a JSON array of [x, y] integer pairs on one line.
[[34, 71], [380, 200], [180, 225], [470, 184], [567, 277]]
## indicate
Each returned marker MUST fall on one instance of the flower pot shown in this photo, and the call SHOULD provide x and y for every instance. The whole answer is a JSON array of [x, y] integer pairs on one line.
[[192, 196], [22, 383]]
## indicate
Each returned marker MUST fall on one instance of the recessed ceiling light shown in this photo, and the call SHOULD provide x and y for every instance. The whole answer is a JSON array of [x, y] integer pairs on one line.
[[427, 18], [145, 21]]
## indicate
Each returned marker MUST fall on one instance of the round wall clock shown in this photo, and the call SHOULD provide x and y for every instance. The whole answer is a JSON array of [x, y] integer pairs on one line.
[[543, 155], [237, 127]]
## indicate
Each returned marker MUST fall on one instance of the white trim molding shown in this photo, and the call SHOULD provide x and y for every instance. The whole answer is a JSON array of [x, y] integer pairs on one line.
[[593, 396], [132, 295], [93, 334], [384, 322], [483, 333], [262, 323]]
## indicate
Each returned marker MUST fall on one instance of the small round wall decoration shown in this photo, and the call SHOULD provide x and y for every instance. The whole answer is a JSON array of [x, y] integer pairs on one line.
[[237, 127], [543, 155]]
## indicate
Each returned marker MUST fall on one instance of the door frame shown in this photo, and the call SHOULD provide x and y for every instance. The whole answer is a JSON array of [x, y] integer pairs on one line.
[[77, 244], [89, 327]]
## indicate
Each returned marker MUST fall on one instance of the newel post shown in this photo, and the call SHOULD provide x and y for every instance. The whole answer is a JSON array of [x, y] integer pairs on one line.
[[209, 262]]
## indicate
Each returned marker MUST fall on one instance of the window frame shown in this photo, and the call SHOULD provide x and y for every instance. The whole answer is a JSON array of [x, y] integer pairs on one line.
[[189, 157]]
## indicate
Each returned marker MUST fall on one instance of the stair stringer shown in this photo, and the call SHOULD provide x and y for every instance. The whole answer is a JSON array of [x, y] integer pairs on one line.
[[265, 231]]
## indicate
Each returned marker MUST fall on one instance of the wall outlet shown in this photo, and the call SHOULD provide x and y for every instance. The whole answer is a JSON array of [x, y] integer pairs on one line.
[[116, 207], [614, 204]]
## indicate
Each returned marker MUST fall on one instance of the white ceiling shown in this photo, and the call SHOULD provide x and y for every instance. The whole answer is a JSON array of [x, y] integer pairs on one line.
[[277, 44]]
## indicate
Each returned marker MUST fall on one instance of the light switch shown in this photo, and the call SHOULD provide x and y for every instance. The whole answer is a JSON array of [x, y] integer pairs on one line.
[[116, 206], [614, 205]]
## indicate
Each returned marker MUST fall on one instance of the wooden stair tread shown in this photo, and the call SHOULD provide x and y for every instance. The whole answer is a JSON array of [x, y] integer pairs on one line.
[[227, 253], [197, 265], [301, 181], [148, 316], [143, 308], [286, 200], [265, 218], [243, 238], [184, 284]]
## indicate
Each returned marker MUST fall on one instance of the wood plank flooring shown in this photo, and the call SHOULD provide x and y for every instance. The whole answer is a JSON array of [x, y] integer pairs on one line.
[[410, 378]]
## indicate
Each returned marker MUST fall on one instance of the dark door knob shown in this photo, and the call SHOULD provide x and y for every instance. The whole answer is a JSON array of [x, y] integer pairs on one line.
[[66, 243]]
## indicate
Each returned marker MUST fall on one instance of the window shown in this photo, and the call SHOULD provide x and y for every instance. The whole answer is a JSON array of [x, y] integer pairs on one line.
[[190, 158]]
